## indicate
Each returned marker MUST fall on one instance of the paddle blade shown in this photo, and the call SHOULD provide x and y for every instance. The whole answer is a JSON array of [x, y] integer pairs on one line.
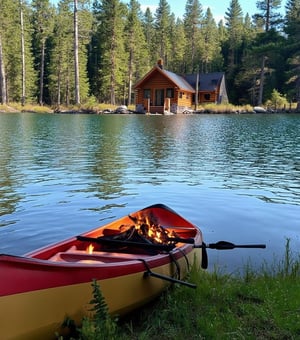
[[224, 245]]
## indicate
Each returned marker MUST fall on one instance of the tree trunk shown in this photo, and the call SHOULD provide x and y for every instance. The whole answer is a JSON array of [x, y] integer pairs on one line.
[[76, 60], [262, 80], [42, 73], [130, 77], [2, 77], [298, 94], [23, 55]]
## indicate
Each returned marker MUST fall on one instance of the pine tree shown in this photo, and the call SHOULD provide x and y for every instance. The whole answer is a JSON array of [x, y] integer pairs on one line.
[[211, 48], [17, 61], [234, 24], [292, 48], [268, 15], [192, 22], [3, 97], [292, 19], [137, 53], [62, 64], [110, 36], [162, 29], [178, 46], [149, 32], [42, 23], [270, 19], [61, 67]]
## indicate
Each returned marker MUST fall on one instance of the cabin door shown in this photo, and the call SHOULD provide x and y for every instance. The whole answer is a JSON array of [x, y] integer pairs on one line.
[[159, 97]]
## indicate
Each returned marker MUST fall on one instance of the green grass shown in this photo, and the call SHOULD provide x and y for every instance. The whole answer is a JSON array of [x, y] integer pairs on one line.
[[263, 304]]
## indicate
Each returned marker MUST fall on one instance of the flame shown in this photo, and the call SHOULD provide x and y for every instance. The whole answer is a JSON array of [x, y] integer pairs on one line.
[[90, 249], [148, 226]]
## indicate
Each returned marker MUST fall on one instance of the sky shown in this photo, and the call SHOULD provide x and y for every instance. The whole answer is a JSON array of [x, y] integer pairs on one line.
[[217, 7]]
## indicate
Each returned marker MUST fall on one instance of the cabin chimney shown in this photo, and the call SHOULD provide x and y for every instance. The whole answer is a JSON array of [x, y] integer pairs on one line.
[[160, 63]]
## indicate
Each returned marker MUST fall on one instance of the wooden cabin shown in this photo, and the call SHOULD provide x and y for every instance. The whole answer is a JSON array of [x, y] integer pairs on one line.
[[161, 90]]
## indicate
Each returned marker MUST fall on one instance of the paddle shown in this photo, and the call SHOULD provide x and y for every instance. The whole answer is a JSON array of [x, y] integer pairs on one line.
[[224, 245], [122, 243], [221, 245]]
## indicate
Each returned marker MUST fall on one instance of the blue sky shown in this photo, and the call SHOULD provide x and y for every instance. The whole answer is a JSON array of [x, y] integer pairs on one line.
[[218, 7]]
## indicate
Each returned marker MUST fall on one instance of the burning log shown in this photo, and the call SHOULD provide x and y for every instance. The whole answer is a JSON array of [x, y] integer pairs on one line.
[[145, 234]]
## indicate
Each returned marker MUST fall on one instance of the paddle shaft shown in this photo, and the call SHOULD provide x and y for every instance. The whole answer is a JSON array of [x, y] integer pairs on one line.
[[223, 245], [122, 243]]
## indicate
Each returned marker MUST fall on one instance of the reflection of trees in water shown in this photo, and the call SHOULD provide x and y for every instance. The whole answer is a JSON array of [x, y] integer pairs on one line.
[[9, 197], [9, 179]]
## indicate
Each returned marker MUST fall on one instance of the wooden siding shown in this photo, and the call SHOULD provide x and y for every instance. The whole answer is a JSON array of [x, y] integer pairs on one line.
[[184, 98], [160, 82], [212, 89], [213, 97]]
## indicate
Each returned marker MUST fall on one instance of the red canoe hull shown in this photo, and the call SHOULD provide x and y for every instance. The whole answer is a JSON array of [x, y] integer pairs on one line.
[[39, 290]]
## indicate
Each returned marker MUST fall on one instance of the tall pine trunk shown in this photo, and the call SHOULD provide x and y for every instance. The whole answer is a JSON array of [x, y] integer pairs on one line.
[[76, 60], [262, 80], [130, 71], [42, 73], [2, 77], [23, 55]]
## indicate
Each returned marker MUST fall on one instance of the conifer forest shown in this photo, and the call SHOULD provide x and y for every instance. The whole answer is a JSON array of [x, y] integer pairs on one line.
[[94, 51]]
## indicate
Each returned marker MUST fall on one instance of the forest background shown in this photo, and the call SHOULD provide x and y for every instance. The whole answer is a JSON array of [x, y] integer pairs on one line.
[[84, 52]]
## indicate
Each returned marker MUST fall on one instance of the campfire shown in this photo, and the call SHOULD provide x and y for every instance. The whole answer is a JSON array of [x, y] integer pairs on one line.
[[144, 233], [147, 229]]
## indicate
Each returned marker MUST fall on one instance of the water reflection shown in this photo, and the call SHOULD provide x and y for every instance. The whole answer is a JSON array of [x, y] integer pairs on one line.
[[72, 171]]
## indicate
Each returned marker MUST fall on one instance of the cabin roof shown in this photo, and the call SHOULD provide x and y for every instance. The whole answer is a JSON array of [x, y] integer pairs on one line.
[[207, 81], [176, 79], [181, 83]]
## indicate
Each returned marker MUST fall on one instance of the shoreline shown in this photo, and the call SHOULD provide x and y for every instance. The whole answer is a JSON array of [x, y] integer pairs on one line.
[[107, 109]]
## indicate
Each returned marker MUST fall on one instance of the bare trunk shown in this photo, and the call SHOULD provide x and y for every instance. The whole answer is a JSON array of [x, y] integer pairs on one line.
[[262, 80], [2, 77], [42, 73], [113, 70], [76, 61], [298, 94], [23, 55], [130, 77]]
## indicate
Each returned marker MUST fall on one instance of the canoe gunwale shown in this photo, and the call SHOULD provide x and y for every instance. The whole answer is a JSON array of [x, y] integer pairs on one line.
[[127, 279]]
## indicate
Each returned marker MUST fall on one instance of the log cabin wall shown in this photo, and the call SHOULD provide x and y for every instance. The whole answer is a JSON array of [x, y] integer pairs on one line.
[[158, 82], [161, 90]]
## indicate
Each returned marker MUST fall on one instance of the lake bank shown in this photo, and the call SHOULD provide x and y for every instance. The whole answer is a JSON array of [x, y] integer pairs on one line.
[[261, 304], [122, 109]]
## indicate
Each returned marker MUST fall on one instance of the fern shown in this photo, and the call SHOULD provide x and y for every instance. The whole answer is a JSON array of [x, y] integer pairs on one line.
[[101, 326]]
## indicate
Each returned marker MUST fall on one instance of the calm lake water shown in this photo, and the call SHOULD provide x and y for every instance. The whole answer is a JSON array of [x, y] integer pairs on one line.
[[235, 176]]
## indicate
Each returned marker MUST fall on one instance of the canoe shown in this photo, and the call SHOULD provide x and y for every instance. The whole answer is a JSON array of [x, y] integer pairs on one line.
[[133, 260]]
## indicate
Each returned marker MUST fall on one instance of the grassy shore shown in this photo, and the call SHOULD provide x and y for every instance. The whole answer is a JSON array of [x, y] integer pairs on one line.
[[93, 107], [262, 304]]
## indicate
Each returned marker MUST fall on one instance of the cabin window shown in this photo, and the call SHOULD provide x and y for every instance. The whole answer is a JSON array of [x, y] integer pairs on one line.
[[207, 96], [147, 93], [170, 93], [181, 94]]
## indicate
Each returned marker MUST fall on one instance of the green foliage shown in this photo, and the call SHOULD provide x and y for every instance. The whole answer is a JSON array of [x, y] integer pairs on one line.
[[253, 304], [101, 326], [118, 44], [277, 100], [261, 304]]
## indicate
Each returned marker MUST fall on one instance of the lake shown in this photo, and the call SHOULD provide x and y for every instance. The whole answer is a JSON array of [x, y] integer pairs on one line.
[[235, 176]]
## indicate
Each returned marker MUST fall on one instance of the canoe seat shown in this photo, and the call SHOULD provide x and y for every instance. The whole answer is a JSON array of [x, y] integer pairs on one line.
[[95, 257]]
